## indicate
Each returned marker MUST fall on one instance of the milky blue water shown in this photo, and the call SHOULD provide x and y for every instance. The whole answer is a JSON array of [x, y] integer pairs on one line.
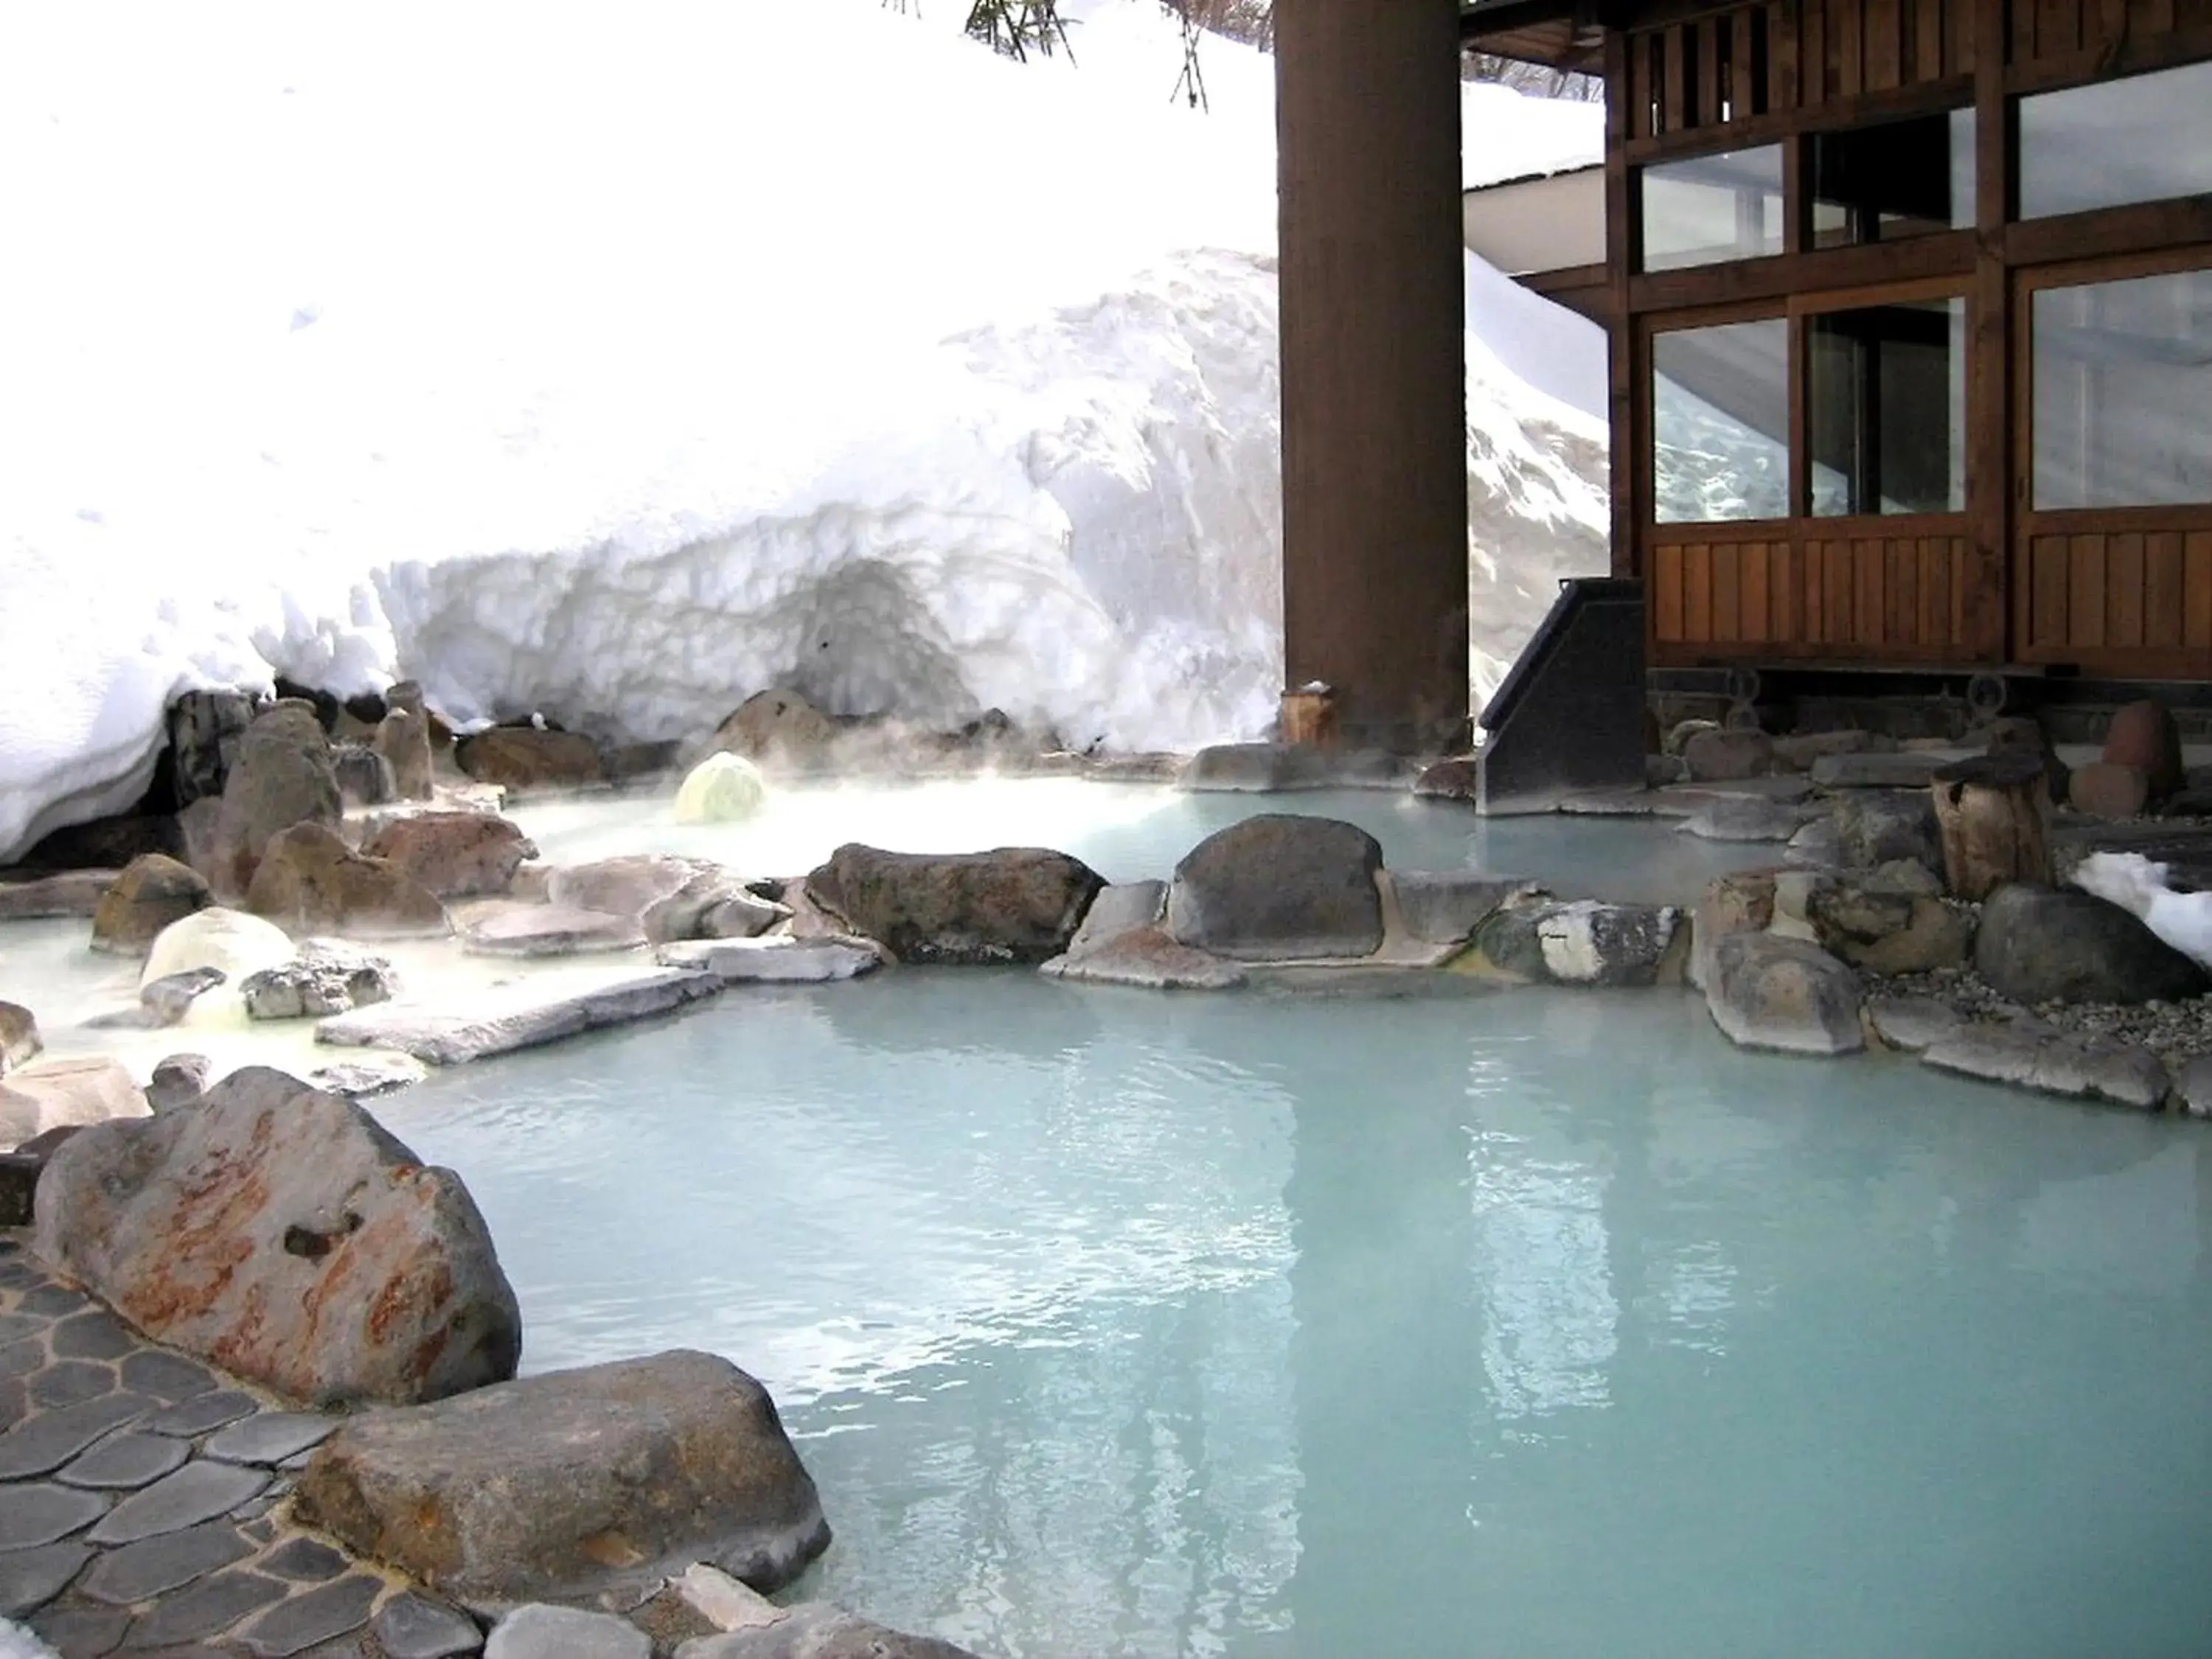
[[1532, 1323]]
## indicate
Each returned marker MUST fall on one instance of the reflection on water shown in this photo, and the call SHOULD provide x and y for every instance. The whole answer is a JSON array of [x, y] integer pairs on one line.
[[1543, 1323]]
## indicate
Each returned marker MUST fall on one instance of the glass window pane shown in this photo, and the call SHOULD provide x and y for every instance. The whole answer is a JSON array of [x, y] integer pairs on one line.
[[1712, 208], [2124, 393], [1720, 422], [1900, 178], [2142, 139], [1886, 408]]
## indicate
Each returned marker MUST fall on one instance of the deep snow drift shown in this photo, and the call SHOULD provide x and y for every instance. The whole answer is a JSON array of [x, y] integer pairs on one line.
[[617, 370]]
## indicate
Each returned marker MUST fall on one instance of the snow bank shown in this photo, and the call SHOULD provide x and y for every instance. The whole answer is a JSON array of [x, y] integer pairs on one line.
[[616, 368]]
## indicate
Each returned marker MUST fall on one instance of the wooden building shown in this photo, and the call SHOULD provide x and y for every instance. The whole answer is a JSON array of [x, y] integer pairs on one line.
[[1910, 314], [1910, 305]]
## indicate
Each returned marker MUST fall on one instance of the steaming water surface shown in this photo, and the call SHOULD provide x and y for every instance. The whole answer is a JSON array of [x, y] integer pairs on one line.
[[1533, 1323]]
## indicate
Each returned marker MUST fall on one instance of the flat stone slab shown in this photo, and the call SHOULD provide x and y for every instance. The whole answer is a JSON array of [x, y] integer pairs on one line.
[[508, 1017], [548, 930], [126, 1461], [777, 959], [31, 1578], [271, 1437], [372, 1075], [1911, 1024], [2116, 1073], [212, 1606], [196, 1416], [82, 1632], [1749, 819], [41, 1514], [1444, 907], [153, 1566], [304, 1561], [320, 1616], [1876, 771], [47, 1443], [411, 1626], [1147, 958], [66, 893], [196, 1492], [167, 1376], [537, 1631]]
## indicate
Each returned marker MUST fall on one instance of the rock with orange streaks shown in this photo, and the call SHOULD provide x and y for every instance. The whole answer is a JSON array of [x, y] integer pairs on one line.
[[284, 1234]]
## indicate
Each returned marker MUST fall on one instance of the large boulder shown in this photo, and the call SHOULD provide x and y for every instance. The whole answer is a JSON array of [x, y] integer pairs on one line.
[[153, 891], [403, 738], [20, 1043], [453, 855], [57, 1093], [327, 977], [574, 1484], [230, 942], [669, 898], [1726, 757], [1872, 925], [283, 776], [1767, 992], [1012, 904], [365, 777], [285, 1234], [2045, 945], [1254, 768], [1122, 942], [779, 728], [723, 788], [2145, 735], [1279, 887], [205, 730], [309, 881], [1580, 942], [1741, 901], [523, 757], [1442, 907], [1875, 827]]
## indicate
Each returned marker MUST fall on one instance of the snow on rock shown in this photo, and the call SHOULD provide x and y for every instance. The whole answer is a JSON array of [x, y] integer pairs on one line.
[[638, 369], [18, 1643]]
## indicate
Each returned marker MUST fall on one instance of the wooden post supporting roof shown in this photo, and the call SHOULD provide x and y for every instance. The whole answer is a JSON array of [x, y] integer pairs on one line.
[[1373, 363]]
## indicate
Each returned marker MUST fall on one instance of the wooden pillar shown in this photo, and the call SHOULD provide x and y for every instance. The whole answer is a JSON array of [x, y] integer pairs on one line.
[[1375, 580]]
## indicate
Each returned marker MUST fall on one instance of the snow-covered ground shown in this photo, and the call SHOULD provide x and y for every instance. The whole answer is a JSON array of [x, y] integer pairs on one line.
[[617, 368]]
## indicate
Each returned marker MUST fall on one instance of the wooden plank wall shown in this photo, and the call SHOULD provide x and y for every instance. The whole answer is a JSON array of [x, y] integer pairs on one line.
[[1903, 597], [2091, 594], [2045, 29], [1792, 57]]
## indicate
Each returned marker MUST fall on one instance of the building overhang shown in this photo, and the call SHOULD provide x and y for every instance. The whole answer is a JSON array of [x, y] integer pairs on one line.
[[1567, 34]]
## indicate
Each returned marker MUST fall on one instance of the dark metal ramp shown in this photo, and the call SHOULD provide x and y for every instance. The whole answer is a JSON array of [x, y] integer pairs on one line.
[[1569, 716]]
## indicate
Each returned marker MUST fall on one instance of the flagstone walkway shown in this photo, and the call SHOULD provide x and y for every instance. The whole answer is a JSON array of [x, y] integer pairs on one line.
[[142, 1509]]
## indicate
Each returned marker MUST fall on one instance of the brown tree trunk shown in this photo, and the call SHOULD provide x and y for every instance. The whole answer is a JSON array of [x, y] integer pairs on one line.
[[1994, 813]]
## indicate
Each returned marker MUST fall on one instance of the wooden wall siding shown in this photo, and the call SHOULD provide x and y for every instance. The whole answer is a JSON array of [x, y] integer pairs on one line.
[[1905, 597], [2135, 592], [1707, 73], [2044, 29]]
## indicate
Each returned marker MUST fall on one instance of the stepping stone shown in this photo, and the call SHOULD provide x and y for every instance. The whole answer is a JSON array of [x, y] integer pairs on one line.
[[31, 1578], [14, 1326], [411, 1626], [272, 1437], [549, 930], [47, 1443], [96, 1334], [72, 1382], [318, 1616], [82, 1632], [138, 1571], [208, 1411], [126, 1461], [196, 1492], [15, 1402], [212, 1606], [23, 1356], [304, 1561], [506, 1017], [538, 1631], [167, 1377], [54, 1301], [38, 1514]]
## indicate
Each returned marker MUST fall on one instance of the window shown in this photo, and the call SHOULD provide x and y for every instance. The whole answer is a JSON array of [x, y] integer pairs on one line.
[[1712, 208], [1900, 178], [2141, 139], [2124, 393], [1884, 411], [1720, 422]]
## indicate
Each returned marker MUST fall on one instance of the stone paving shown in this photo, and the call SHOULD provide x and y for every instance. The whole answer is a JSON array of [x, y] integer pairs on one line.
[[141, 1503]]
